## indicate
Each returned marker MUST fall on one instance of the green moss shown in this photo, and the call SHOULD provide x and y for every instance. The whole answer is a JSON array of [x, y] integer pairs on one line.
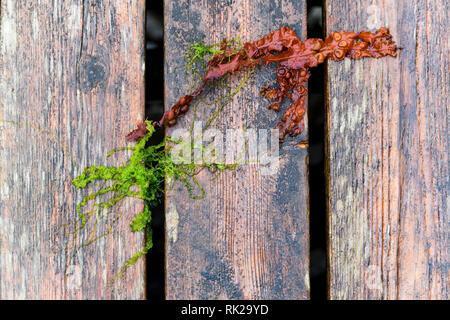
[[141, 177]]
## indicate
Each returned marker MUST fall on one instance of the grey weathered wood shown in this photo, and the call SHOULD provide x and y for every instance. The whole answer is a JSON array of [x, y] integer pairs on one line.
[[249, 237], [73, 72], [388, 166]]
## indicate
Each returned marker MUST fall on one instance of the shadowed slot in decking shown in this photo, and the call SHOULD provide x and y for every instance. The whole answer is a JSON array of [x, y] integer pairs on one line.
[[154, 96], [317, 201]]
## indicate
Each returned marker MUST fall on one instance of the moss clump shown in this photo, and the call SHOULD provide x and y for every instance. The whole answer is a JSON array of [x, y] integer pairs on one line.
[[142, 176]]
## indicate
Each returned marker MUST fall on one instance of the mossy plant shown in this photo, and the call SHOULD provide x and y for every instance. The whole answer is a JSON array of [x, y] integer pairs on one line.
[[149, 168], [142, 176]]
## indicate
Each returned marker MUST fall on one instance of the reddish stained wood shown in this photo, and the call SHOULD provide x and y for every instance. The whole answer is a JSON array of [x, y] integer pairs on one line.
[[249, 238], [74, 68], [388, 166]]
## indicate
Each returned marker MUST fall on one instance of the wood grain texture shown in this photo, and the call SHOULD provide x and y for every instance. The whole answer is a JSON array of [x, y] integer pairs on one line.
[[72, 71], [249, 237], [387, 150]]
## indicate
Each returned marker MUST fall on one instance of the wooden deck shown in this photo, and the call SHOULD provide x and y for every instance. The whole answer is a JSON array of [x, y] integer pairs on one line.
[[72, 86], [243, 240], [388, 165]]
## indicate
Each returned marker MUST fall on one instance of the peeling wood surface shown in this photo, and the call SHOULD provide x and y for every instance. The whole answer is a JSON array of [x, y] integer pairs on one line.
[[73, 71], [388, 147], [249, 238]]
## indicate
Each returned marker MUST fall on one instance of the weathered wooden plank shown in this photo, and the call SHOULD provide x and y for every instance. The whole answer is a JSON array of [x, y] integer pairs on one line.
[[73, 72], [249, 237], [388, 169]]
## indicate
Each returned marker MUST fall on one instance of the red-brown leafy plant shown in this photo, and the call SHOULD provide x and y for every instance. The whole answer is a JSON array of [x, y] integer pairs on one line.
[[294, 58]]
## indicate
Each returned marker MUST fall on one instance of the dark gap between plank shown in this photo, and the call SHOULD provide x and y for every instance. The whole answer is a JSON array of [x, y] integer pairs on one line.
[[154, 108], [317, 198]]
